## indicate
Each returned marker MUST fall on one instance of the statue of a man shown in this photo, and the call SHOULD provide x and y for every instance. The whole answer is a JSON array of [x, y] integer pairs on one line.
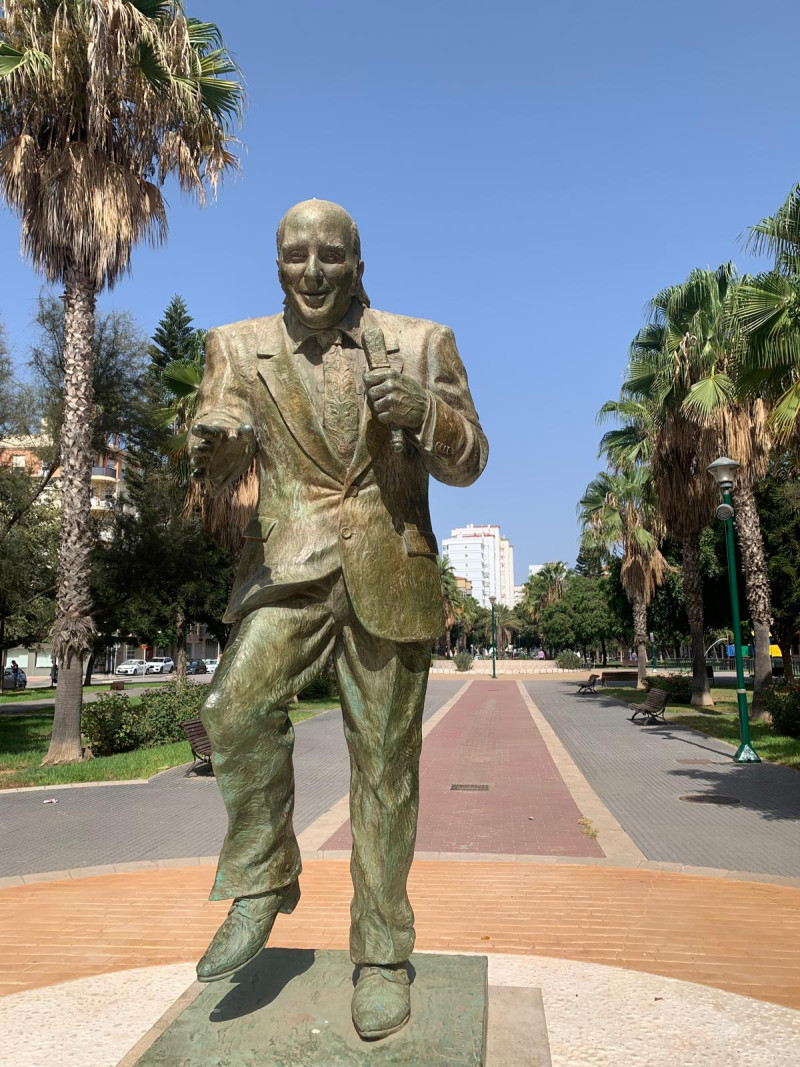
[[339, 560]]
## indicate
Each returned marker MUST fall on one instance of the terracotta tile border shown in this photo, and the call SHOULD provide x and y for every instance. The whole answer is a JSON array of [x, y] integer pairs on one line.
[[658, 921]]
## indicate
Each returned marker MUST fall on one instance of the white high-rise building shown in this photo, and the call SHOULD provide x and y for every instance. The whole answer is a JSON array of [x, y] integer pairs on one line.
[[485, 559], [534, 568], [505, 589]]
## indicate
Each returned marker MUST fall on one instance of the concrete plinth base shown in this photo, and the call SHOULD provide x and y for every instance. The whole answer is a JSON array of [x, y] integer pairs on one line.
[[292, 1006]]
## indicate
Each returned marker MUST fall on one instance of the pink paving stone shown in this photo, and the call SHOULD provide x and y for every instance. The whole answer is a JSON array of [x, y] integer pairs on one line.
[[489, 738]]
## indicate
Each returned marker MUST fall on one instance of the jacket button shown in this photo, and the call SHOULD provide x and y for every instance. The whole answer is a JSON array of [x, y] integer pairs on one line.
[[346, 532]]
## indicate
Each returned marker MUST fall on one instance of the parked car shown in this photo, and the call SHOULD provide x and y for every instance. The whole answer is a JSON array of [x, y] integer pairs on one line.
[[196, 666], [131, 666], [211, 665], [8, 679], [160, 665]]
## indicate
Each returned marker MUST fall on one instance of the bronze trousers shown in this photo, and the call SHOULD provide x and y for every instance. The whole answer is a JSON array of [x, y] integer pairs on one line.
[[274, 652]]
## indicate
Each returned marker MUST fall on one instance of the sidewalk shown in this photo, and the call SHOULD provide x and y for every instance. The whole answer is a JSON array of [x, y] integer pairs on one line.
[[514, 871]]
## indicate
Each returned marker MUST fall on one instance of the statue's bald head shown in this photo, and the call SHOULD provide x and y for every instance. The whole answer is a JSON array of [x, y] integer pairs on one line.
[[326, 212], [319, 262]]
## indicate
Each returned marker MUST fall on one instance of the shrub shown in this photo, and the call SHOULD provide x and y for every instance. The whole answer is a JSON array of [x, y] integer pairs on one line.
[[323, 688], [110, 725], [162, 711], [783, 704], [568, 661], [679, 686], [463, 661]]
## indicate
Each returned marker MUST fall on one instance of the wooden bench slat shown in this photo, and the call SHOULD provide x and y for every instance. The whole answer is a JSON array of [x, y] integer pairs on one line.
[[197, 737]]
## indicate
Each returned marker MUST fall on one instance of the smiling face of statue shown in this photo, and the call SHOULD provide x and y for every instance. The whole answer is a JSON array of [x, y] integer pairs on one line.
[[318, 262]]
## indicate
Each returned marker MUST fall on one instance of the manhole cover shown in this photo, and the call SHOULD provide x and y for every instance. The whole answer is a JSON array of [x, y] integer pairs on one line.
[[709, 798], [472, 788]]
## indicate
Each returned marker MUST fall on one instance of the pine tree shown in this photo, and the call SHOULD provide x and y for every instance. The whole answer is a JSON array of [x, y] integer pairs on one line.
[[174, 337]]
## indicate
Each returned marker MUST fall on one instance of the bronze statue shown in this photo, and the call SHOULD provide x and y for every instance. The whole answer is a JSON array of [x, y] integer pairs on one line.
[[339, 560]]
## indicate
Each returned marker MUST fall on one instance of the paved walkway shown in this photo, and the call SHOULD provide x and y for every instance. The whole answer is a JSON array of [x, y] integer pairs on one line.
[[641, 772], [514, 871], [488, 784], [172, 816]]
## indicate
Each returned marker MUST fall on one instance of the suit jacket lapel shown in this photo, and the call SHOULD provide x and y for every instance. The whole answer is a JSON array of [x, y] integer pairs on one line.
[[277, 368]]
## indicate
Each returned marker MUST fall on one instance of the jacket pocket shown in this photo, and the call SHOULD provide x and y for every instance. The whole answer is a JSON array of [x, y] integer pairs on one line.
[[258, 529], [419, 542]]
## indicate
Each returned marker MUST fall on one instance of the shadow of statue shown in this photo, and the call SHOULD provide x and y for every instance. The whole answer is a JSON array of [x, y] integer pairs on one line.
[[261, 981]]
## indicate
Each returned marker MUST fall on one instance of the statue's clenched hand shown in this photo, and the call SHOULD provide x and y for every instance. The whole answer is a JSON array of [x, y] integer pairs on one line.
[[396, 399], [218, 447]]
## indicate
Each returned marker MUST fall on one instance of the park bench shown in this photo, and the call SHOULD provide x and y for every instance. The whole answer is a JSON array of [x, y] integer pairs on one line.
[[198, 742], [589, 685], [652, 708], [612, 677]]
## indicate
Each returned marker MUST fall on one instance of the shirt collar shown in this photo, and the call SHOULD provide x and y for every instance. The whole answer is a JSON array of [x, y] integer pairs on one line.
[[350, 326]]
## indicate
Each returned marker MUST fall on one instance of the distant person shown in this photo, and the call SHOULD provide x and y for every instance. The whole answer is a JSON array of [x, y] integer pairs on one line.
[[541, 653], [634, 658], [54, 673], [14, 673]]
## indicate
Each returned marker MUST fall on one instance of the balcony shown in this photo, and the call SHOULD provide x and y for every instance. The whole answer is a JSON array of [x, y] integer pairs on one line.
[[109, 471]]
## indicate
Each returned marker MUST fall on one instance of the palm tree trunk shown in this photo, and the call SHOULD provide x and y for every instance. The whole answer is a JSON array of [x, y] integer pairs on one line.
[[759, 599], [640, 637], [72, 631], [693, 592], [180, 666]]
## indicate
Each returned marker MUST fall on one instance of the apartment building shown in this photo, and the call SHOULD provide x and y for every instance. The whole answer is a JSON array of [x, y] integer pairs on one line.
[[484, 558]]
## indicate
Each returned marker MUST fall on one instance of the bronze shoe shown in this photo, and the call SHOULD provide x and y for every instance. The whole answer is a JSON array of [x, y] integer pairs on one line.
[[244, 933], [381, 1000]]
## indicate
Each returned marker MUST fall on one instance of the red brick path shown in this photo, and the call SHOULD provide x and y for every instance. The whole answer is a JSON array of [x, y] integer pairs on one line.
[[489, 738]]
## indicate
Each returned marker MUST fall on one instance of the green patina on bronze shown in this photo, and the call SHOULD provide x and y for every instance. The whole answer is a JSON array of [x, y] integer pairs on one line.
[[339, 561]]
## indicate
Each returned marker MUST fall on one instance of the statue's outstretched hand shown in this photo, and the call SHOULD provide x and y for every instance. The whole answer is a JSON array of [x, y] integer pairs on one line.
[[218, 449]]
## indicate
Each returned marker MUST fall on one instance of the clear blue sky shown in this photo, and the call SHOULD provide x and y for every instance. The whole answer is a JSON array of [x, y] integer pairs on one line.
[[529, 174]]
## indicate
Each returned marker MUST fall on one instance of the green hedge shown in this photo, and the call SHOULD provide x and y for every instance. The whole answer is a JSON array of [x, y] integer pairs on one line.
[[112, 725], [323, 688], [783, 704], [679, 686]]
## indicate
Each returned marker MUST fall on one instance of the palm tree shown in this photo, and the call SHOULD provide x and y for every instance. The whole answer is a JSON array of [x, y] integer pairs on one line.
[[617, 514], [451, 598], [506, 625], [668, 356], [767, 311], [722, 403], [102, 101], [544, 588]]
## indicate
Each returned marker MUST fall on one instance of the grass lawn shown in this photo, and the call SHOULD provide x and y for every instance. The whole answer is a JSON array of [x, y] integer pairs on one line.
[[24, 740], [49, 692], [722, 721]]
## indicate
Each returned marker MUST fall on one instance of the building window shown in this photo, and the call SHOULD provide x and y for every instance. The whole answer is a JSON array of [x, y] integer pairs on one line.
[[18, 462]]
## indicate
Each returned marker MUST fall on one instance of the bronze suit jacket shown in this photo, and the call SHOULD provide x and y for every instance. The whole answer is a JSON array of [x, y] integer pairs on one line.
[[315, 514]]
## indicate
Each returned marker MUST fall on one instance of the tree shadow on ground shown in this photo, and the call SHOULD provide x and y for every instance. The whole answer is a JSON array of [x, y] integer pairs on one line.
[[772, 791], [767, 788]]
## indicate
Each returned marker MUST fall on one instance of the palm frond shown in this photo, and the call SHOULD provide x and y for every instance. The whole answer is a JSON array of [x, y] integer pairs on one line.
[[709, 396]]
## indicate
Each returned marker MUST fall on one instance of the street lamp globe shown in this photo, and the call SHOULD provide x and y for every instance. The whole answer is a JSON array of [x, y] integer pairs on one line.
[[492, 600], [723, 471]]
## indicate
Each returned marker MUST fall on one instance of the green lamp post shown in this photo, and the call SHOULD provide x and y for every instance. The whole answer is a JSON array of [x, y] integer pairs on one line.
[[723, 471], [493, 601]]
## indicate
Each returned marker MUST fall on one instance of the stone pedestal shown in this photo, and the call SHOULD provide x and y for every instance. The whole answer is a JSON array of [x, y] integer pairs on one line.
[[291, 1008]]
